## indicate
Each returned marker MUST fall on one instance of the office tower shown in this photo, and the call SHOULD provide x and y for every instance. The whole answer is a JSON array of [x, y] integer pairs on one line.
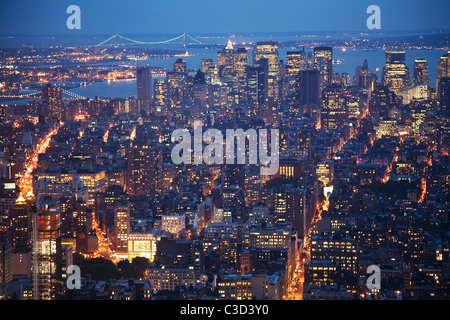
[[420, 73], [381, 101], [144, 83], [295, 62], [122, 226], [143, 158], [325, 172], [52, 103], [177, 83], [443, 68], [395, 72], [240, 64], [334, 112], [20, 225], [308, 93], [199, 93], [225, 60], [240, 61], [257, 82], [207, 63], [161, 95], [269, 50], [364, 78], [47, 251], [323, 61], [289, 205], [444, 93], [6, 258], [208, 68]]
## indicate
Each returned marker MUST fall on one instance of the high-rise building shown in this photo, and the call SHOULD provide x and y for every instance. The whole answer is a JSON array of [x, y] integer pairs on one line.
[[240, 65], [420, 73], [161, 94], [144, 83], [225, 61], [323, 61], [325, 172], [269, 50], [443, 68], [295, 62], [290, 206], [6, 260], [395, 72], [308, 93], [52, 103], [20, 225], [257, 82], [143, 167], [47, 278], [381, 101], [364, 78], [122, 226], [444, 93], [334, 112]]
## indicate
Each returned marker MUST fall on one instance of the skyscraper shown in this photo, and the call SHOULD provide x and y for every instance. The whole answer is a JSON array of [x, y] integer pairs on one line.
[[257, 83], [144, 83], [20, 225], [46, 251], [334, 112], [52, 101], [308, 92], [323, 61], [295, 62], [122, 226], [395, 72], [381, 101], [420, 73], [142, 173], [161, 95], [443, 68], [269, 50]]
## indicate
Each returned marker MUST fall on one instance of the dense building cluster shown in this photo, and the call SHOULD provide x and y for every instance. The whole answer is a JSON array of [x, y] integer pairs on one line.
[[363, 179]]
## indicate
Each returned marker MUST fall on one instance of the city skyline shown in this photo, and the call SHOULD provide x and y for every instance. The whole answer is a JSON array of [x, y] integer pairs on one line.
[[138, 168]]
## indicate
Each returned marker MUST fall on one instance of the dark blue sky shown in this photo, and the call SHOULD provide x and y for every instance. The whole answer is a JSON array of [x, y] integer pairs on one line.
[[214, 16]]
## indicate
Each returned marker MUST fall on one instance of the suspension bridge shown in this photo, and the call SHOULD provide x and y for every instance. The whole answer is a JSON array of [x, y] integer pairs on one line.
[[184, 37], [67, 95]]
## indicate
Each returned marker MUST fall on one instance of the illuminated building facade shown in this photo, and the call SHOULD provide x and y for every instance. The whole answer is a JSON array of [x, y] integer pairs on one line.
[[52, 103], [341, 251], [47, 251], [334, 111], [295, 62], [142, 245], [420, 72], [269, 50], [323, 62], [395, 72], [122, 227]]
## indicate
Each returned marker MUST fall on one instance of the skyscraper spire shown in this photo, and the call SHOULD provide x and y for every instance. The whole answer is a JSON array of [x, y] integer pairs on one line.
[[229, 45]]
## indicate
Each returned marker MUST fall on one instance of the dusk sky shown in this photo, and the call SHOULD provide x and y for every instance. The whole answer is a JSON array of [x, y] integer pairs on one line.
[[215, 16]]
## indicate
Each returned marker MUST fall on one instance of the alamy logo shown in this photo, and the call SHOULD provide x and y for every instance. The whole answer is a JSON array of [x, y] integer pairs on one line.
[[374, 21], [374, 281], [74, 20], [73, 277], [213, 153]]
